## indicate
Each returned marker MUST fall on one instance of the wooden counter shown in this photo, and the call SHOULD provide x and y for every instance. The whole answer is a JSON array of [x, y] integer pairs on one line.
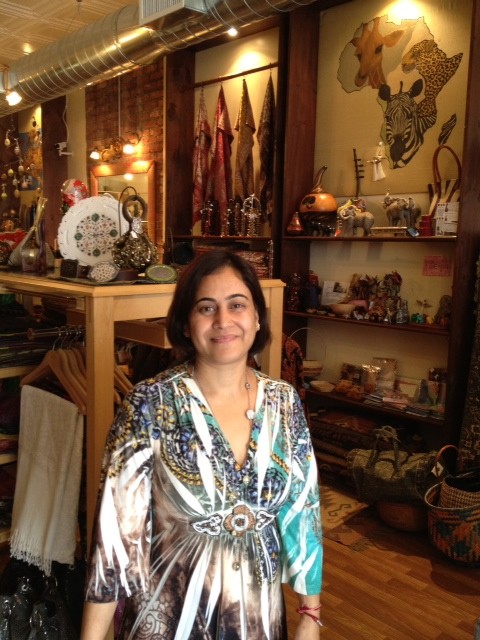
[[103, 305]]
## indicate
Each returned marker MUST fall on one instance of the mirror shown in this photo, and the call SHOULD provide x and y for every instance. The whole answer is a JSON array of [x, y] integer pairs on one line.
[[140, 174]]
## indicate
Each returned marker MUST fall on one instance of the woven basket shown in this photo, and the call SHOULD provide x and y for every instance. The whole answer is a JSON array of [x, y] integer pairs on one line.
[[458, 490], [404, 517], [454, 498], [455, 532]]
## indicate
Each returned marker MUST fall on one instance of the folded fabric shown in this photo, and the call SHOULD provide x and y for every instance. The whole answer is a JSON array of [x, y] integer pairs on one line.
[[45, 508]]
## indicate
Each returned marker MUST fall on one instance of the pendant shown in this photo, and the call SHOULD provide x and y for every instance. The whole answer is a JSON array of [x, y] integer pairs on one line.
[[250, 413], [236, 566]]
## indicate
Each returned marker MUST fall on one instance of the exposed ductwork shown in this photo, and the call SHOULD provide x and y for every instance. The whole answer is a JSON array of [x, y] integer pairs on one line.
[[117, 44]]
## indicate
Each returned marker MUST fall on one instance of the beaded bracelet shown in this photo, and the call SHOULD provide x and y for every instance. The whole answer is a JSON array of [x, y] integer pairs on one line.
[[306, 611]]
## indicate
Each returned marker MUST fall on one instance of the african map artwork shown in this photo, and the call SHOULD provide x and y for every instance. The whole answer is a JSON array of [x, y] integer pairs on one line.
[[406, 70]]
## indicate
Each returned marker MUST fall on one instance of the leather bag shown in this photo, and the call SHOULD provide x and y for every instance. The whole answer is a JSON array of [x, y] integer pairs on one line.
[[391, 474]]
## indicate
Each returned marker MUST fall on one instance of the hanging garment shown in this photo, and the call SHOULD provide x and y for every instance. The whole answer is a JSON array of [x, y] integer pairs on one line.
[[201, 149], [220, 174], [266, 141], [245, 126], [45, 506]]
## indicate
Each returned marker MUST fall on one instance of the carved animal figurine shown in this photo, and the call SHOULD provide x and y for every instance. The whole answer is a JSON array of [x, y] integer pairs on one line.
[[397, 213], [352, 217], [369, 52], [400, 211]]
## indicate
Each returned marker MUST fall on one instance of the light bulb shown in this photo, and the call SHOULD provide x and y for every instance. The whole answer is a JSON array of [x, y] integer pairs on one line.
[[13, 98], [95, 154], [128, 149]]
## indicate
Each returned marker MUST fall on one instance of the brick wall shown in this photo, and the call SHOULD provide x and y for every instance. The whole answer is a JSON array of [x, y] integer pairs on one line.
[[141, 111]]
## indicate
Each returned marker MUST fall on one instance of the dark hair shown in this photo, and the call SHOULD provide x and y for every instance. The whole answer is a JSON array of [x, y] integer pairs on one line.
[[186, 293]]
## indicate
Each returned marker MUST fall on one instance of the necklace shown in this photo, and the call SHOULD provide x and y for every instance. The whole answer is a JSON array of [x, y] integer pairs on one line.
[[249, 413]]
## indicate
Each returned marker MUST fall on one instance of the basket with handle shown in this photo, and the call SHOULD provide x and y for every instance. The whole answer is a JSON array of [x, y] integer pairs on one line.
[[453, 513], [454, 531], [458, 490]]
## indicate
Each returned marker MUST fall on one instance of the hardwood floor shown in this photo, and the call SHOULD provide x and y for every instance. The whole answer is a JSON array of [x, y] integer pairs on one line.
[[401, 589]]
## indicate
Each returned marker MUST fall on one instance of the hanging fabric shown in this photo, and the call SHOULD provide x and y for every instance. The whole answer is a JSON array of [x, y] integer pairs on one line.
[[220, 174], [47, 490], [266, 141], [245, 126], [201, 149]]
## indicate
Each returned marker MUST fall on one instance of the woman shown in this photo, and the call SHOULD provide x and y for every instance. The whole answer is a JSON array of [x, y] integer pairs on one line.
[[210, 492]]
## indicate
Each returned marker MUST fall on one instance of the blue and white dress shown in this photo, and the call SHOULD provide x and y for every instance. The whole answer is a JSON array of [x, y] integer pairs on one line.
[[197, 544]]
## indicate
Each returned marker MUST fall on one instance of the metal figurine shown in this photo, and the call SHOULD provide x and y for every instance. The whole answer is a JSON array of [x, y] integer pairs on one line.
[[251, 214]]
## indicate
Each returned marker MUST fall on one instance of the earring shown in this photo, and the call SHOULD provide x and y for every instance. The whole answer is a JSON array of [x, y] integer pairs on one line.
[[257, 327]]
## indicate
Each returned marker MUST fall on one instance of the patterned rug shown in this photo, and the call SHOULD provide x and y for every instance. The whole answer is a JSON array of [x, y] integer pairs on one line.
[[348, 521]]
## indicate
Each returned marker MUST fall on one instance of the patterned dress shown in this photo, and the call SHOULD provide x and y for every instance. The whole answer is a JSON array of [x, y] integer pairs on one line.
[[197, 544]]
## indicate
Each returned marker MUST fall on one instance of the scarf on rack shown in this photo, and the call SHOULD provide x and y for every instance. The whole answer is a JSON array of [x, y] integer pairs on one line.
[[49, 469]]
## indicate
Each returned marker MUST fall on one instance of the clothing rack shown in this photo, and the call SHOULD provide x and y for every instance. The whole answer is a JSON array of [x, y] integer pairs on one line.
[[63, 332], [232, 76]]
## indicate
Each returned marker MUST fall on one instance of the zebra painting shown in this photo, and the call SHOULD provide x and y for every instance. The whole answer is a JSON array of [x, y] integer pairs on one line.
[[404, 126]]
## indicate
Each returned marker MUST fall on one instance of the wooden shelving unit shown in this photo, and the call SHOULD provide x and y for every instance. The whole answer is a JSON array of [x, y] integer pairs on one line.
[[297, 105], [102, 307]]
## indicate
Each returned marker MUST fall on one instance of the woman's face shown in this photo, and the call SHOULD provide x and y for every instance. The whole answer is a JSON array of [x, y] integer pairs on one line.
[[223, 321]]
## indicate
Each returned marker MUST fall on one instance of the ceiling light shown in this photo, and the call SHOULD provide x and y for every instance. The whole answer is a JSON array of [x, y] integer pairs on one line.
[[232, 32], [13, 98], [128, 149]]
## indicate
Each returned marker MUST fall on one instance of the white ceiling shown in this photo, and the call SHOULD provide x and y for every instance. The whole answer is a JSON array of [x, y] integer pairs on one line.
[[29, 25]]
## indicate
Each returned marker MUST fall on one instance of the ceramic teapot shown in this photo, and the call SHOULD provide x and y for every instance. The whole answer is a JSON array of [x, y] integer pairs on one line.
[[317, 201]]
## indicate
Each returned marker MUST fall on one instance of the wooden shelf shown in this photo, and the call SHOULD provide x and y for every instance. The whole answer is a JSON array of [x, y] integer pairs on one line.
[[400, 239], [428, 329], [333, 399], [13, 372], [221, 238]]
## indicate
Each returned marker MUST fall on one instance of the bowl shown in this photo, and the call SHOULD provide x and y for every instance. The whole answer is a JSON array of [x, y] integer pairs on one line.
[[342, 308]]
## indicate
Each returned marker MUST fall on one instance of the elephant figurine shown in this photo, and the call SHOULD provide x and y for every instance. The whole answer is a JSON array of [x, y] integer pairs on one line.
[[401, 212], [351, 217]]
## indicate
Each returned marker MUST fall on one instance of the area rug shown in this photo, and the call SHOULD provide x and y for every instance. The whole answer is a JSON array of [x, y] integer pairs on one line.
[[348, 521]]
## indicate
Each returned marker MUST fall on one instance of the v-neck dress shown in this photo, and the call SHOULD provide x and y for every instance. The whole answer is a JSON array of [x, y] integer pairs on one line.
[[196, 544]]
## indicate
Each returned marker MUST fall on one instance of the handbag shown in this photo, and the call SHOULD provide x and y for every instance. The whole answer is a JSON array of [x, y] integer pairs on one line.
[[443, 191], [392, 474]]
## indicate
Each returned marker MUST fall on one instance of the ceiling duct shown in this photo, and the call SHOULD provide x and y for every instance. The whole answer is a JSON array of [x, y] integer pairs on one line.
[[119, 43], [158, 14]]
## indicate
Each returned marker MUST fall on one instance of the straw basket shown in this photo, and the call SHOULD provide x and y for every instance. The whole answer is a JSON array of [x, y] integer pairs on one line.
[[402, 516], [455, 532]]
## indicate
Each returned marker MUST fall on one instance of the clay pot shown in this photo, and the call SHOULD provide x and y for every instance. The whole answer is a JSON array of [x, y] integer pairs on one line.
[[317, 201]]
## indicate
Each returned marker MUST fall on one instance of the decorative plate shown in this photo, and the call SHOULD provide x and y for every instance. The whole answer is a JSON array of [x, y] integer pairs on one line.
[[89, 229], [161, 273]]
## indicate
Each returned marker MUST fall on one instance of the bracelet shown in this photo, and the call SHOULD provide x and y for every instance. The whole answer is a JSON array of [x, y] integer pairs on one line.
[[307, 612]]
